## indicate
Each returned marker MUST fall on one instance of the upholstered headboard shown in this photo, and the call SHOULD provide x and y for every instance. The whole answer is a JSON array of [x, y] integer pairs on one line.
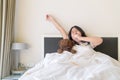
[[109, 46]]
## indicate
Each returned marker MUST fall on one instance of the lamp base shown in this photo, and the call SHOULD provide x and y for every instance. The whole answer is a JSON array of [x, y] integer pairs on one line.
[[17, 72]]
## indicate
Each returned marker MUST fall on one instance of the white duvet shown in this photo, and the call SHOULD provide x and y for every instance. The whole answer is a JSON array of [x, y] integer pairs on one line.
[[86, 64]]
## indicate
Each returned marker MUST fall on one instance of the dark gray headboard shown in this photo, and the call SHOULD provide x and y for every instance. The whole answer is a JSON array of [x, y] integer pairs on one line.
[[109, 46]]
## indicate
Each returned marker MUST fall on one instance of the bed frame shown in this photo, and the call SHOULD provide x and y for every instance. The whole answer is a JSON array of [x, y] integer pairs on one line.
[[109, 46]]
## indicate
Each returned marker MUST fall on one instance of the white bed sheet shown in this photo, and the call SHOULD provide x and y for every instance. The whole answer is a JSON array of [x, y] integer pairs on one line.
[[86, 64]]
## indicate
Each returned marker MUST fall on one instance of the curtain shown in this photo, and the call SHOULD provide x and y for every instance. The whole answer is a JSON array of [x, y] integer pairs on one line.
[[7, 35], [0, 20]]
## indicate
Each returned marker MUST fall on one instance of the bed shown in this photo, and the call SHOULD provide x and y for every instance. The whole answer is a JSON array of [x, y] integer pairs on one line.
[[109, 46], [86, 64]]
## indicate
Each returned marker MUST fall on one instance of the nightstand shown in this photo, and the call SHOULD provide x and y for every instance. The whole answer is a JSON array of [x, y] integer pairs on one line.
[[12, 77]]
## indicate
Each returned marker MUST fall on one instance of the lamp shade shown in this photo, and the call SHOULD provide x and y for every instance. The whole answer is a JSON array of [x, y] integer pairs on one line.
[[19, 46]]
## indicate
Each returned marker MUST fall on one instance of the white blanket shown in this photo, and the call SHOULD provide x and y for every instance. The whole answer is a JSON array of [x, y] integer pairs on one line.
[[86, 64]]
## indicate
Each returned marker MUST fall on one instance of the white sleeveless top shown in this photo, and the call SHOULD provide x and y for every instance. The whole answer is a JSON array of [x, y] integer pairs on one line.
[[84, 49]]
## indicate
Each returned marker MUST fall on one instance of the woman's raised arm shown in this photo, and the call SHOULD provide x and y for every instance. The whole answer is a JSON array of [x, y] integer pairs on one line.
[[58, 26]]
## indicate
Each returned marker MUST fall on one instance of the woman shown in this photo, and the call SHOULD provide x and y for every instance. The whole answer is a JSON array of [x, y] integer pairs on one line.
[[76, 33]]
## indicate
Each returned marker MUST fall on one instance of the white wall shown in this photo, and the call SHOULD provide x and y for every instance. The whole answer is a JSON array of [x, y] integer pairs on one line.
[[96, 17]]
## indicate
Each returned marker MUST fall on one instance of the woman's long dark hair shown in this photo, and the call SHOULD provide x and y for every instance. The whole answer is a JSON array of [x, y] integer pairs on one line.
[[79, 29]]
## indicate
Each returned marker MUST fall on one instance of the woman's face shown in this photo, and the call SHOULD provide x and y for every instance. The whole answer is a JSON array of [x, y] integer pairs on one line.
[[75, 34]]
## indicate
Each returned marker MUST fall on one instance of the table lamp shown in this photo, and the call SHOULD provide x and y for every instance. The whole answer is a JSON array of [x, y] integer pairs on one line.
[[17, 47]]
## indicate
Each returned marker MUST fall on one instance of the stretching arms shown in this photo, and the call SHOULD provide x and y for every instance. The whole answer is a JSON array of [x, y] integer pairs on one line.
[[95, 41], [58, 26]]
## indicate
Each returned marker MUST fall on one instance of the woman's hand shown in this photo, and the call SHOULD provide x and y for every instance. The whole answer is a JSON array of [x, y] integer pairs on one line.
[[77, 38], [49, 17]]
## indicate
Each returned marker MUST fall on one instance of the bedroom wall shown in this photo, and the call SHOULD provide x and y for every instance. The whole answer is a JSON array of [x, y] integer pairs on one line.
[[96, 17]]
